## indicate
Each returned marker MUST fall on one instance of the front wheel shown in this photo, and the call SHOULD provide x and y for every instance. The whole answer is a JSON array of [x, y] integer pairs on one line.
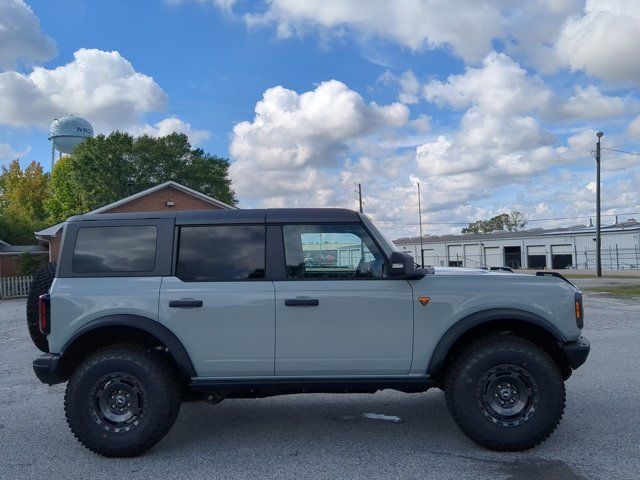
[[505, 393], [122, 400]]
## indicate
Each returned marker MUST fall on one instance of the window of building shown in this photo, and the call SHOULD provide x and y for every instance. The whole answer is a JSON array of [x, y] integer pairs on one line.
[[115, 249], [331, 252], [221, 253]]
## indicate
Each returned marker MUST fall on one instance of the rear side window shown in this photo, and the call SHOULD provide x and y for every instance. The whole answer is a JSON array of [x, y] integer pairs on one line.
[[221, 253], [115, 249]]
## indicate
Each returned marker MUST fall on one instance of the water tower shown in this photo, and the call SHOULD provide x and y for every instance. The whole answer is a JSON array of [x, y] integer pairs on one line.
[[66, 133]]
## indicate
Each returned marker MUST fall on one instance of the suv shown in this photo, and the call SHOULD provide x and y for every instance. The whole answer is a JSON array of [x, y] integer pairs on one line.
[[149, 309]]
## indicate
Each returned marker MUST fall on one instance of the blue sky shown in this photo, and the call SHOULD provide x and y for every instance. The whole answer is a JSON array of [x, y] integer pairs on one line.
[[489, 106]]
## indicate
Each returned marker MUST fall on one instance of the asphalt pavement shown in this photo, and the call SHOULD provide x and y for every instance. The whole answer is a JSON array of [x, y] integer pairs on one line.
[[385, 435]]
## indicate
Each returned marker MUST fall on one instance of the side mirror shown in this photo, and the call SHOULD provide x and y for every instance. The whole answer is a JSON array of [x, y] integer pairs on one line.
[[401, 265]]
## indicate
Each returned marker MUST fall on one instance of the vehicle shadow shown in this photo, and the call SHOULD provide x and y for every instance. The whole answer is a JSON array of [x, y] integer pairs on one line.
[[326, 436]]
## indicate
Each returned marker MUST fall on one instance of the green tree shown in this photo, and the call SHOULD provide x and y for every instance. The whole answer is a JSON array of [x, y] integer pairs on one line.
[[516, 221], [511, 222], [24, 195], [29, 264], [103, 169]]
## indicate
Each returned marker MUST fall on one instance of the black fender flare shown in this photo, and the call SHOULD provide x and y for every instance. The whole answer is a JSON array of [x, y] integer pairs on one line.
[[478, 318], [152, 327]]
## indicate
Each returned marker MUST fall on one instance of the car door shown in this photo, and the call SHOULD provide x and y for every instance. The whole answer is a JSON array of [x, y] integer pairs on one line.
[[219, 303], [336, 313]]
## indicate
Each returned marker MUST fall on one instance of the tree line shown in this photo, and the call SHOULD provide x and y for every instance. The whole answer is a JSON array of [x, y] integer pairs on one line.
[[511, 222], [100, 171]]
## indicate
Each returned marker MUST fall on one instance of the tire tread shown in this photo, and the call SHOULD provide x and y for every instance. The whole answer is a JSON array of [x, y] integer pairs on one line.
[[478, 347], [40, 285], [158, 366]]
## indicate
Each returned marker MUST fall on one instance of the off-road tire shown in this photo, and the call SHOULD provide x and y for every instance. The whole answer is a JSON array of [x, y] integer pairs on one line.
[[466, 392], [161, 399], [40, 285]]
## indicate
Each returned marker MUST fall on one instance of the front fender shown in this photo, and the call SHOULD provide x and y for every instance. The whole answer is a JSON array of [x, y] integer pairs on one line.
[[462, 326]]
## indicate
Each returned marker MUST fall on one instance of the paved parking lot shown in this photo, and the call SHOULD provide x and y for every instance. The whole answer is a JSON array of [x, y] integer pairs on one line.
[[329, 436]]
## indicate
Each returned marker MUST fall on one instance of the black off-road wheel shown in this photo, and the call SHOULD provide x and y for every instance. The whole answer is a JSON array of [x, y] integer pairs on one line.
[[40, 285], [505, 393], [122, 400]]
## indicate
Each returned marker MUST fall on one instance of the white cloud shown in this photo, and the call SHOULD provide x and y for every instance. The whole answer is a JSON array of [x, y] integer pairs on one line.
[[533, 27], [598, 37], [589, 103], [502, 87], [604, 41], [634, 127], [409, 88], [499, 86], [101, 86], [225, 5], [21, 41], [292, 129], [7, 153], [467, 26], [497, 132], [173, 125], [290, 152], [422, 123], [309, 149]]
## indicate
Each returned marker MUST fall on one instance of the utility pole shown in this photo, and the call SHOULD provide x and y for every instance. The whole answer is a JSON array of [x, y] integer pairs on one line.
[[360, 196], [420, 220], [598, 239]]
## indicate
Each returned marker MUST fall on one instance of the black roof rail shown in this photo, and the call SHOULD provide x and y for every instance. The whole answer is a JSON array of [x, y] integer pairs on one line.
[[555, 274]]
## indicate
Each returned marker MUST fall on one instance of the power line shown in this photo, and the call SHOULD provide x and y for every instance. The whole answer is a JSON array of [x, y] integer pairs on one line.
[[528, 220], [621, 151]]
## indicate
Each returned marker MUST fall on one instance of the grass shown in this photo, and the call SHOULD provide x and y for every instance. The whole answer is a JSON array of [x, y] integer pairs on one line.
[[622, 291], [591, 275]]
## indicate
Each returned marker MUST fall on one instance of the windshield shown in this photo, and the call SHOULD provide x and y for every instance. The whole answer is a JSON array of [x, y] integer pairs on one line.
[[380, 234]]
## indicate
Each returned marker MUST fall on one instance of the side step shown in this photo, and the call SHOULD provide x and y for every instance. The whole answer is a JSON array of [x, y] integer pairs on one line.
[[271, 386]]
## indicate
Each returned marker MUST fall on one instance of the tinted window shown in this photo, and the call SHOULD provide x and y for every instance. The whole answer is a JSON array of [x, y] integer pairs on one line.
[[221, 253], [115, 249], [331, 252]]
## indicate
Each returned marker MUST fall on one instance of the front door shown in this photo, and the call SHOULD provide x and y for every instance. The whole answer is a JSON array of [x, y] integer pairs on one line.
[[336, 314], [219, 303]]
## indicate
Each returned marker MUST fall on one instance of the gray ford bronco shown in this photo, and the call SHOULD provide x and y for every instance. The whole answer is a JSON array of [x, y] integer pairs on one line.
[[147, 310]]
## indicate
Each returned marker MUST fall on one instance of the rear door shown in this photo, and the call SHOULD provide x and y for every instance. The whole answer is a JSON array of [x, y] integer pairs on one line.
[[219, 303], [336, 313]]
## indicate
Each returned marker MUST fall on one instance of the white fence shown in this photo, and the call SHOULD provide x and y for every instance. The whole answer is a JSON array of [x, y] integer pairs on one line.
[[12, 287]]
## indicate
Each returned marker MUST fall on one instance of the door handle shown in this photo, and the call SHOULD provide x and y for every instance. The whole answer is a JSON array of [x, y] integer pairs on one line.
[[185, 303], [301, 302]]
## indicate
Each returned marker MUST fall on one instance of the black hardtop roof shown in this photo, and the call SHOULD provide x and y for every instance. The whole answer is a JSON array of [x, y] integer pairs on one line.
[[270, 215]]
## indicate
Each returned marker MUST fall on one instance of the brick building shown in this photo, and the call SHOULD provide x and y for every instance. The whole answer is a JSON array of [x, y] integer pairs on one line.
[[166, 196], [10, 257]]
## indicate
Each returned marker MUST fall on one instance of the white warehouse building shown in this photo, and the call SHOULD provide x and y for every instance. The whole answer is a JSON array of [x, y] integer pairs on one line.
[[539, 249]]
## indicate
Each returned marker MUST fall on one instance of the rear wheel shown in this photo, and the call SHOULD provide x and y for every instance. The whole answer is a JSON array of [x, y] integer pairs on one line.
[[40, 285], [505, 393], [122, 400]]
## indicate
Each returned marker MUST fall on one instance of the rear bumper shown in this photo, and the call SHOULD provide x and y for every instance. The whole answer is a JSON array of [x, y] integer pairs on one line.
[[47, 368], [577, 352]]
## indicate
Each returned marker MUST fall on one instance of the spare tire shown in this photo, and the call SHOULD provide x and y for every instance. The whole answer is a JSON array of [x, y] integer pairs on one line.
[[40, 285]]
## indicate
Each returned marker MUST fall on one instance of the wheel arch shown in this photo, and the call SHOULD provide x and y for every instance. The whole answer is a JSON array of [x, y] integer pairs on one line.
[[125, 328], [521, 322]]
